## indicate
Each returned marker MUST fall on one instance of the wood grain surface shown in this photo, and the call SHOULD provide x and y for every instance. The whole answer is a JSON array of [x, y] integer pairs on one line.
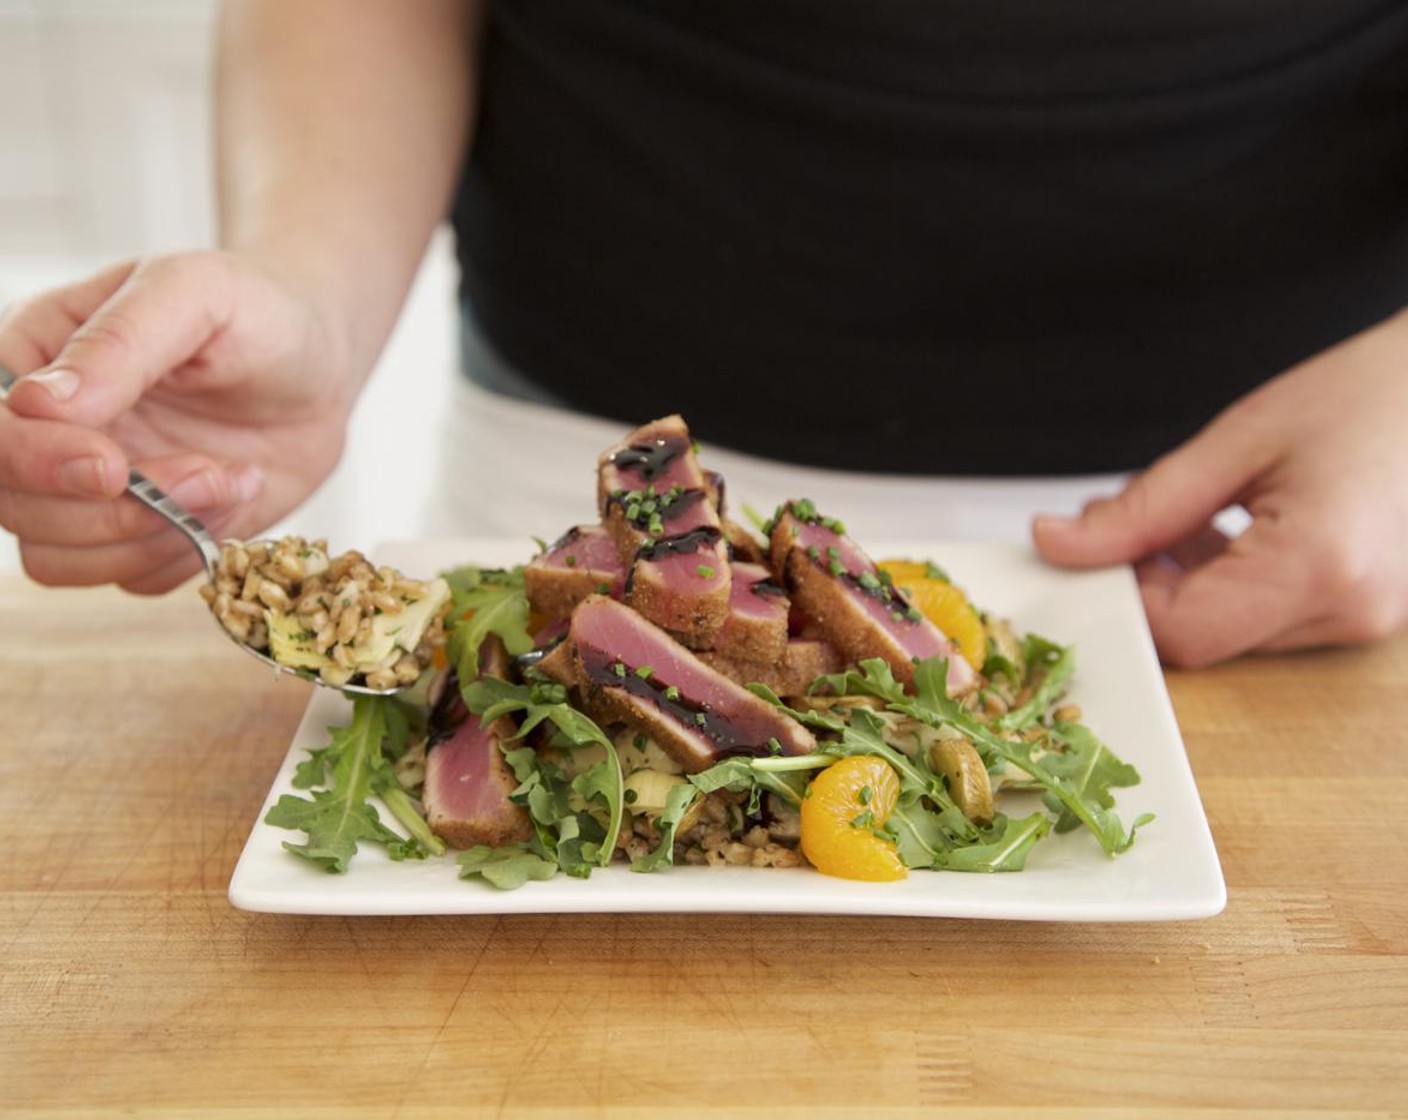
[[137, 748]]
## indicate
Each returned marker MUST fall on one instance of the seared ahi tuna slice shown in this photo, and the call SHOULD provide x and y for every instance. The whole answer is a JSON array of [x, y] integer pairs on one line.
[[791, 675], [743, 545], [756, 627], [658, 454], [682, 585], [838, 588], [628, 671], [637, 516], [714, 486], [583, 562], [467, 780]]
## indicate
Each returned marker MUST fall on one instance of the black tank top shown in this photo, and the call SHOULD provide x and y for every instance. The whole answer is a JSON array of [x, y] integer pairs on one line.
[[934, 236]]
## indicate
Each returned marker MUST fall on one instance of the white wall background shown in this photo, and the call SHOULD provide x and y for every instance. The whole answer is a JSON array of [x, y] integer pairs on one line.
[[105, 154]]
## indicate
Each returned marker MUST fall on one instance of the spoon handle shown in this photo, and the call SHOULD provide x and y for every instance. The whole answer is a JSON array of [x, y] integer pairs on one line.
[[150, 494], [147, 492]]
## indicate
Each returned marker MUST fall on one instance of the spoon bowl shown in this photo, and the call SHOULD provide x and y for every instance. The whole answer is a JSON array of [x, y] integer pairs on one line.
[[152, 496]]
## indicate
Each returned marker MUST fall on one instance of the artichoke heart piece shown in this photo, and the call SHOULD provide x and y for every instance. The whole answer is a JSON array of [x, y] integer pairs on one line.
[[291, 644], [648, 791], [393, 634], [389, 636]]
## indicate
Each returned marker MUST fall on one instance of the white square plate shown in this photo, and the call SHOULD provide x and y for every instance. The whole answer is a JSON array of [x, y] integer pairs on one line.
[[1171, 872]]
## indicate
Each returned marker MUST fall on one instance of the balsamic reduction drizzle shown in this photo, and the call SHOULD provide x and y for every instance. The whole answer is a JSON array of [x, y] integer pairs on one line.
[[729, 735], [651, 459], [690, 542]]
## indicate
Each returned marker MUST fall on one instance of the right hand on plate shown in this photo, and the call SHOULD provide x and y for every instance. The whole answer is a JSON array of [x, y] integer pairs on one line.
[[221, 382]]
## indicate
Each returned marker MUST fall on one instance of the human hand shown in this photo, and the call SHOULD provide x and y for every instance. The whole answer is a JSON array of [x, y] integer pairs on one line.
[[1319, 458], [220, 381]]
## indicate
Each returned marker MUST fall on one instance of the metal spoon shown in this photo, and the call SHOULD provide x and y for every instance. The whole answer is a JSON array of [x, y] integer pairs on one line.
[[151, 495]]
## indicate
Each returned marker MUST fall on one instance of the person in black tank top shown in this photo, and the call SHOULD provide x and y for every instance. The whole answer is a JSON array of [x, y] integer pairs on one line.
[[920, 237], [931, 236]]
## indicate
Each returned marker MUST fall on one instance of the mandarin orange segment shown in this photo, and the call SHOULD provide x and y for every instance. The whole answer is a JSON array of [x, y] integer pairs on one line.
[[905, 571], [944, 605], [844, 804]]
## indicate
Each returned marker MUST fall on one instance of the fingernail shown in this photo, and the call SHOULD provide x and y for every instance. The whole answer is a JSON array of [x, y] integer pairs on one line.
[[88, 476], [1053, 522], [197, 491], [60, 384], [249, 484]]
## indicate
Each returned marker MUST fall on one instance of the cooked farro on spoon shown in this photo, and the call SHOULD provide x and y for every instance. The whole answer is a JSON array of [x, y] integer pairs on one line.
[[336, 621]]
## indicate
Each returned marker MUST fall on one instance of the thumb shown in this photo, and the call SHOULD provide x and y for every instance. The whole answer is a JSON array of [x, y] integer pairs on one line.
[[154, 322], [1173, 501]]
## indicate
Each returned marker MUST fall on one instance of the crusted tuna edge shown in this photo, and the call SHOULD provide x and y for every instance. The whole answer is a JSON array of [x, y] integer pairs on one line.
[[801, 663], [755, 628], [572, 568]]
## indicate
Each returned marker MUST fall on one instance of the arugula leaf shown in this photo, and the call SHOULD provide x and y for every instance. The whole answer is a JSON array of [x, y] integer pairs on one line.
[[998, 664], [536, 793], [1089, 767], [485, 601], [919, 834], [538, 700], [338, 818], [677, 803], [822, 721], [866, 735], [1006, 851], [1052, 667], [579, 845], [507, 868], [404, 809], [574, 838], [1085, 799], [875, 678], [755, 776]]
